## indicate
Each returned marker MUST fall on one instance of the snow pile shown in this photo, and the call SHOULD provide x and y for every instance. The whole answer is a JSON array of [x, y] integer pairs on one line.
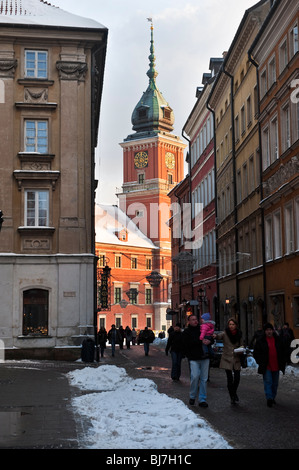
[[128, 413]]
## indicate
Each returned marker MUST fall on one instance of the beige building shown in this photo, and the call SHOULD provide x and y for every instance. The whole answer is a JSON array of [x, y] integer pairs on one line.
[[234, 102], [275, 53], [51, 75]]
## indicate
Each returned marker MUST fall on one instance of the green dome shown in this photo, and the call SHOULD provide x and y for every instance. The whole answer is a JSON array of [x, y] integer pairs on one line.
[[152, 113]]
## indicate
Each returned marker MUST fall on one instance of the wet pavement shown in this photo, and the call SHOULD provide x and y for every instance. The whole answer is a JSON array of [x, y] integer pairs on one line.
[[36, 403]]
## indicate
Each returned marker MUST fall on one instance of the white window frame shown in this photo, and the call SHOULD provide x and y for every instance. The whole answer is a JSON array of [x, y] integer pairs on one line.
[[277, 239], [294, 40], [266, 147], [33, 70], [37, 208], [283, 55], [268, 238], [296, 211], [263, 82], [272, 71], [274, 139], [285, 126], [33, 134], [289, 228]]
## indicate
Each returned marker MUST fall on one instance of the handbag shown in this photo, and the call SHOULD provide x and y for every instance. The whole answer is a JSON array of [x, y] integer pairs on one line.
[[243, 359]]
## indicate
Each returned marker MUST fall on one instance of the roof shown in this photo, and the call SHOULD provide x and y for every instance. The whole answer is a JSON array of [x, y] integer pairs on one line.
[[110, 220], [41, 13]]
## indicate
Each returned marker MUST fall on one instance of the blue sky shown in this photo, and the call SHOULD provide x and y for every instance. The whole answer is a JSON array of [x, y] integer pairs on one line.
[[186, 34]]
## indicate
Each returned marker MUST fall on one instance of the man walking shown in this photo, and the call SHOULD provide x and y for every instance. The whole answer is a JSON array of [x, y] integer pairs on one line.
[[114, 337], [199, 367], [270, 357]]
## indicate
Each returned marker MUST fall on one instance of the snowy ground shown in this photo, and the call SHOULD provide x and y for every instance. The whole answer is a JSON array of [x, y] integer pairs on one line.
[[128, 413]]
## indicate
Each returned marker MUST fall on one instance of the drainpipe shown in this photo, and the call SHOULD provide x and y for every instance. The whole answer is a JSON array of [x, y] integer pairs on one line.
[[234, 187], [256, 65], [217, 318]]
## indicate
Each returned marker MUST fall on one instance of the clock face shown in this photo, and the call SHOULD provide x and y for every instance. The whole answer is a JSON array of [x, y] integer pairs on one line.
[[169, 160], [141, 159]]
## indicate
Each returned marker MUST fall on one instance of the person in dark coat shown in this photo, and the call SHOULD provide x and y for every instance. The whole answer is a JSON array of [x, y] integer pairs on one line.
[[175, 345], [287, 336], [128, 335], [123, 334], [147, 336], [257, 335], [114, 337], [102, 339], [270, 357], [198, 366]]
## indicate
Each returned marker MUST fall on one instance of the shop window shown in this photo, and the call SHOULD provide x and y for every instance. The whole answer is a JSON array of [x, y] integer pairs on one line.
[[35, 312]]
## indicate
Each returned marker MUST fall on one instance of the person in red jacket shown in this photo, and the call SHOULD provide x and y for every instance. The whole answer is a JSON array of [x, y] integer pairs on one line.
[[270, 357]]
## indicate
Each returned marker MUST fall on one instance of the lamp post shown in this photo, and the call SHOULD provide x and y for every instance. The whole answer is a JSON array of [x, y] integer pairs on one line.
[[1, 219], [103, 300]]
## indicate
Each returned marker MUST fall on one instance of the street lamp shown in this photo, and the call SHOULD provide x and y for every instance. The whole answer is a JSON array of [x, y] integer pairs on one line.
[[123, 303], [132, 293], [154, 278]]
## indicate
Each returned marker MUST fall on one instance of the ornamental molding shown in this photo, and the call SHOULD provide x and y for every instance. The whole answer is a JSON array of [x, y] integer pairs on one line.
[[8, 67], [282, 176], [34, 95], [69, 70]]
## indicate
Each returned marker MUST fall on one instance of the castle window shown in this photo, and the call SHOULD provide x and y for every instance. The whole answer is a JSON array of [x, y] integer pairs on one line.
[[167, 113], [142, 113], [36, 208], [36, 64], [36, 136]]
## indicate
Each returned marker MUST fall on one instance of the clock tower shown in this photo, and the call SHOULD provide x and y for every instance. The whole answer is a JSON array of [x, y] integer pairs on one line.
[[153, 163]]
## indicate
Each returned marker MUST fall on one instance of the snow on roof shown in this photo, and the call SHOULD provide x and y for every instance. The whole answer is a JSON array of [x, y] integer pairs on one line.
[[40, 12], [111, 220]]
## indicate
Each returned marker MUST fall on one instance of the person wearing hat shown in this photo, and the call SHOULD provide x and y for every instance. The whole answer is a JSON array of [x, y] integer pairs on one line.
[[269, 355], [207, 328]]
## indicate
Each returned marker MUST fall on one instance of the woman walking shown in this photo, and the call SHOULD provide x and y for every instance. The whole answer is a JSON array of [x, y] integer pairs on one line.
[[230, 361]]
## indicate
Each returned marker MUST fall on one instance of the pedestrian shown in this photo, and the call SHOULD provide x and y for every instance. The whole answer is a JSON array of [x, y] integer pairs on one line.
[[287, 336], [230, 361], [134, 336], [114, 338], [198, 366], [128, 336], [122, 334], [175, 345], [170, 330], [270, 356], [102, 339], [207, 328], [146, 337], [257, 335]]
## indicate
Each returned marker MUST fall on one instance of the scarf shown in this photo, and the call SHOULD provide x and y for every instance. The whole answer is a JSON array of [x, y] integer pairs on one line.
[[234, 337]]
